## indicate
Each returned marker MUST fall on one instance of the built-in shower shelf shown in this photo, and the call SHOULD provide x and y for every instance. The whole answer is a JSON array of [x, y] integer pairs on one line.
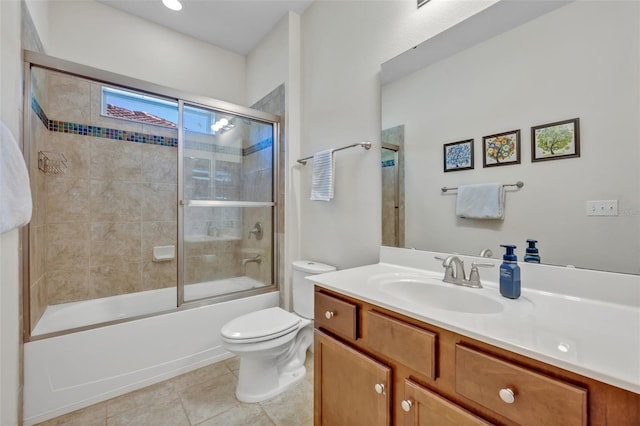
[[52, 163]]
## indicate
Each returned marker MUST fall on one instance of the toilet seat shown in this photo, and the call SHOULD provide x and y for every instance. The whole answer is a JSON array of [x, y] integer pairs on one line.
[[266, 324]]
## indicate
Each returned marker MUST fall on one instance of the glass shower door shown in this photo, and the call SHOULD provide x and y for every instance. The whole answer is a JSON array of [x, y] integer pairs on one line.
[[227, 203]]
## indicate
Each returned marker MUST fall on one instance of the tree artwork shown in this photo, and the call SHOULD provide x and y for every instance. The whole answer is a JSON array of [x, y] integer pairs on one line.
[[458, 155], [501, 148], [555, 140]]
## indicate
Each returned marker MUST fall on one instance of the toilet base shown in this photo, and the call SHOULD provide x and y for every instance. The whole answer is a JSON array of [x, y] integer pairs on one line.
[[260, 380]]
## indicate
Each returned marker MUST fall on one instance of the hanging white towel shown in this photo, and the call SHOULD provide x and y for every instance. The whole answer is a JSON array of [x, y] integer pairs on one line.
[[322, 176], [480, 201], [15, 191]]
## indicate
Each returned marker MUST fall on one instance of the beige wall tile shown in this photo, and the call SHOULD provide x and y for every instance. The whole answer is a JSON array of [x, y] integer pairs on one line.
[[37, 253], [67, 199], [167, 132], [118, 160], [68, 284], [75, 148], [159, 164], [115, 242], [67, 245], [37, 300], [157, 234], [157, 275], [118, 278], [159, 202], [68, 98], [113, 201]]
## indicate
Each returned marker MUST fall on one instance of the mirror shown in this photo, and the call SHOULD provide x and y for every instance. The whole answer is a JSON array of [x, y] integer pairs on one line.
[[515, 67]]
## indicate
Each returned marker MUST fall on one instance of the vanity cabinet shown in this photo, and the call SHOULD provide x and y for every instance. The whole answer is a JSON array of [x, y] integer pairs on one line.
[[374, 366]]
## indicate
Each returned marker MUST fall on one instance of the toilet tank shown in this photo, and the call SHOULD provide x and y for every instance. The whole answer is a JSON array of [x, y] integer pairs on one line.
[[303, 289]]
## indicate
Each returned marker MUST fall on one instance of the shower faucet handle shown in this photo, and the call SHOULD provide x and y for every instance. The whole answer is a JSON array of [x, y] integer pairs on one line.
[[258, 231]]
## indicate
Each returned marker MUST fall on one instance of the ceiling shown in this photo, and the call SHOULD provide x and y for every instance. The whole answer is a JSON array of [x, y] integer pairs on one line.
[[235, 25]]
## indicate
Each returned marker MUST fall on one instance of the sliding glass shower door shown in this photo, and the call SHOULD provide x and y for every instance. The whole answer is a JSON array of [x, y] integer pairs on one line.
[[226, 214]]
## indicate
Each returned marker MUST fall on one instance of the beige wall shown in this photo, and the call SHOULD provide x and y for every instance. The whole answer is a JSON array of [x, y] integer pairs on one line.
[[343, 45], [142, 50]]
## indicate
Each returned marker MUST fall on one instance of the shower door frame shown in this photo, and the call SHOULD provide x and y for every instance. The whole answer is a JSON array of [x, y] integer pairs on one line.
[[51, 63], [182, 203]]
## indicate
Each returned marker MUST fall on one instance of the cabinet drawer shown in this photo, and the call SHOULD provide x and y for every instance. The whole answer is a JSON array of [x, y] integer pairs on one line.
[[410, 345], [336, 315], [537, 399], [423, 407]]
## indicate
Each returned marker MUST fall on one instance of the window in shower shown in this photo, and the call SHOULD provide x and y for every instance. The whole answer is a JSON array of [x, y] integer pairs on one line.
[[109, 240], [143, 108], [228, 204]]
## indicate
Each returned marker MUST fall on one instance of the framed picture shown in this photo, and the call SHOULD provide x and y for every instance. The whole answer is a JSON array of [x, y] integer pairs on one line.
[[458, 155], [556, 140], [501, 149]]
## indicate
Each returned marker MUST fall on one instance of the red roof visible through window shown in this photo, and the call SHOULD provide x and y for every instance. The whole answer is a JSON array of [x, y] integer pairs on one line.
[[145, 117]]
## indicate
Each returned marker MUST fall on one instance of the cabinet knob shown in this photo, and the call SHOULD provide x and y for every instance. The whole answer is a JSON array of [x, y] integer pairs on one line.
[[379, 387], [328, 314], [507, 395], [406, 405]]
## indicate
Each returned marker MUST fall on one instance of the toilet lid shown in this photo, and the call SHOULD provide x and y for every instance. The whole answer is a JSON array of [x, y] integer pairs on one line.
[[261, 325]]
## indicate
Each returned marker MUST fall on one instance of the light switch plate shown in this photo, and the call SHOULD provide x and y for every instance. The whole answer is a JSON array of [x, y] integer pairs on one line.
[[602, 208]]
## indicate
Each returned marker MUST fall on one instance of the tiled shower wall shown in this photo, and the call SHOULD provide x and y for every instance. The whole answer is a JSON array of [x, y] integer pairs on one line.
[[256, 171], [95, 226]]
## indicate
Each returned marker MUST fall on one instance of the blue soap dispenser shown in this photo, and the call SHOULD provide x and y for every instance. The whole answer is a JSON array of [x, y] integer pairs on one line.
[[532, 255], [510, 274]]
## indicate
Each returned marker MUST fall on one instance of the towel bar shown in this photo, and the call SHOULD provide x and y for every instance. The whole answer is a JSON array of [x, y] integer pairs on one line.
[[365, 145], [519, 184]]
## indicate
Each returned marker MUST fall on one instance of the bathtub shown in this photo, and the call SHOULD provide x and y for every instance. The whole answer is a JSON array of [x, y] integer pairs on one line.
[[72, 371], [65, 316]]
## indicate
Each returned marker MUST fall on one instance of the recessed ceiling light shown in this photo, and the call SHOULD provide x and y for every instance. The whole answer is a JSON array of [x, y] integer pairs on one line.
[[172, 4]]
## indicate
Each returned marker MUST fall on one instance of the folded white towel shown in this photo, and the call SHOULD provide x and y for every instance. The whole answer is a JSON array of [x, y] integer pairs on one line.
[[480, 201], [322, 176], [15, 191]]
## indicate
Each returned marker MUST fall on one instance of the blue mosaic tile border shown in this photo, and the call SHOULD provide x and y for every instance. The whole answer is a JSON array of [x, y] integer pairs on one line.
[[104, 132], [388, 163], [35, 106], [207, 147], [267, 143], [124, 135]]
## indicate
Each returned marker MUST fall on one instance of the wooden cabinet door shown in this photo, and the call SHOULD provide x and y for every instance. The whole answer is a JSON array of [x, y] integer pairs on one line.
[[423, 407], [351, 389]]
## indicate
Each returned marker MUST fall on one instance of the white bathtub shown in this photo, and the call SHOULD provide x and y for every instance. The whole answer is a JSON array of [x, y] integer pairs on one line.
[[69, 372], [66, 316]]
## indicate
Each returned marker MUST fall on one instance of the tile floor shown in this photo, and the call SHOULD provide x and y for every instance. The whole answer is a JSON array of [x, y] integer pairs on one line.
[[203, 397]]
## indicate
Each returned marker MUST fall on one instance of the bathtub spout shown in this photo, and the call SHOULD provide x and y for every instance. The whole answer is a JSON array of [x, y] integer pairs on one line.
[[255, 259]]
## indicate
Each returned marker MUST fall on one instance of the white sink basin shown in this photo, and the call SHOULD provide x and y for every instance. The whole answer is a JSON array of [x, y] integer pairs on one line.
[[431, 292]]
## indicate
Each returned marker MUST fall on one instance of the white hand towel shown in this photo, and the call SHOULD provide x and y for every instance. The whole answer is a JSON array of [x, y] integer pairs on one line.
[[322, 176], [480, 201], [15, 192]]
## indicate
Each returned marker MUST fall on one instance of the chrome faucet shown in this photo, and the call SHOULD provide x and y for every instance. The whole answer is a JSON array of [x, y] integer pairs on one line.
[[486, 253], [458, 276], [255, 259]]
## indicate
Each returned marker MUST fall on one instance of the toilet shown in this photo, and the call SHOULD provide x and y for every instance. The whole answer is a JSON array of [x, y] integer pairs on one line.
[[272, 343]]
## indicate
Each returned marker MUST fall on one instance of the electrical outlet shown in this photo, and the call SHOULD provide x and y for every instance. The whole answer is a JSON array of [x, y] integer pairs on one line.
[[602, 208]]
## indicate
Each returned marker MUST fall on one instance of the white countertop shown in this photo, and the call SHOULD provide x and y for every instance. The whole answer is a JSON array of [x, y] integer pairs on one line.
[[595, 338]]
